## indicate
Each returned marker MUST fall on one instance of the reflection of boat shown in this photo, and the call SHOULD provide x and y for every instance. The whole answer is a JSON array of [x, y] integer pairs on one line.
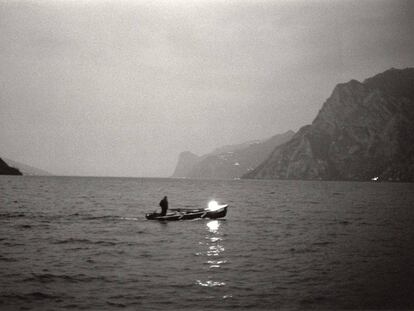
[[218, 211]]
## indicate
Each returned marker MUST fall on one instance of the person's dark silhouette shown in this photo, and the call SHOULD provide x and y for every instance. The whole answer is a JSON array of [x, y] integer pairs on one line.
[[164, 206]]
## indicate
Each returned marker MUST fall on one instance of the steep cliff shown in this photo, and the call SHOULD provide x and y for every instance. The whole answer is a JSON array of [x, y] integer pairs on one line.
[[186, 161], [8, 170], [363, 131], [231, 161]]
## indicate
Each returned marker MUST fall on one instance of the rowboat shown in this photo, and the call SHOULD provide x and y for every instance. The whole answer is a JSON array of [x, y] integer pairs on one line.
[[213, 211]]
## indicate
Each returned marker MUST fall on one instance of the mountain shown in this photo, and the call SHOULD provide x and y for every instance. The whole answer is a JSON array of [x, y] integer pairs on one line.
[[7, 170], [364, 131], [26, 169], [230, 161], [232, 148]]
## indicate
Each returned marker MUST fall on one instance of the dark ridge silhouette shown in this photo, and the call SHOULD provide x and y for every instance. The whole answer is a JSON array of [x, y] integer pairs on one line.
[[8, 170]]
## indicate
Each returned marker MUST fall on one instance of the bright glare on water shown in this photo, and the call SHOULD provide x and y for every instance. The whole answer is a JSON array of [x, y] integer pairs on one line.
[[213, 226], [84, 243]]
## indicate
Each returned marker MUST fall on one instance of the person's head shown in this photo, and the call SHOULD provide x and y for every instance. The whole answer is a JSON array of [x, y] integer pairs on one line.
[[165, 198]]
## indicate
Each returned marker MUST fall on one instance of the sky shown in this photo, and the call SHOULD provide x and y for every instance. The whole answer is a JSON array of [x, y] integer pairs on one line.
[[120, 88]]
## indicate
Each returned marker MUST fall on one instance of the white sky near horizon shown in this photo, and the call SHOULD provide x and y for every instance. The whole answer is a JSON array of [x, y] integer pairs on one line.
[[120, 88]]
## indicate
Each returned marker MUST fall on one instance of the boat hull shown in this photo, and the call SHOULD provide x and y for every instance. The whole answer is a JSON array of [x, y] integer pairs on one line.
[[182, 214]]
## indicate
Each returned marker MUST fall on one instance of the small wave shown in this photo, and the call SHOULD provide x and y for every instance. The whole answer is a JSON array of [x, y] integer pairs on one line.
[[116, 304], [145, 255], [40, 295], [30, 297], [25, 226], [364, 223], [105, 243], [132, 298], [72, 240], [6, 259], [85, 241], [12, 244], [216, 262], [105, 217], [302, 250], [129, 218], [117, 297], [11, 215], [50, 278], [322, 243]]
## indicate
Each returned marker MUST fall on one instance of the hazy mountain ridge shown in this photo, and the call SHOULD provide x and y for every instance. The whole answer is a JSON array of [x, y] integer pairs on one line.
[[5, 169], [363, 131], [228, 162]]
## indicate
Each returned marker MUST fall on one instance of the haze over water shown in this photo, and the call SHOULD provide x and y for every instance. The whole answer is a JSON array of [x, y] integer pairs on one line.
[[72, 243]]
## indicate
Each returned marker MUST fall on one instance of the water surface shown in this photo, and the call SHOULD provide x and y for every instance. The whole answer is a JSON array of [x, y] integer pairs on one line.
[[83, 243]]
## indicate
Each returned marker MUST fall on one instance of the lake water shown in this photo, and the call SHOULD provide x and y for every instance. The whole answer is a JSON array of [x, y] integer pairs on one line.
[[84, 243]]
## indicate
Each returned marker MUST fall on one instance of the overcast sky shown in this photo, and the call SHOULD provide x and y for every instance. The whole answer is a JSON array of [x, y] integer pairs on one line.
[[120, 88]]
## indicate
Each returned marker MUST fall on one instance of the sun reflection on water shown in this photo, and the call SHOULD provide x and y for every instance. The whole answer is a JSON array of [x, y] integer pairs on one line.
[[210, 283], [214, 247], [214, 251], [213, 226]]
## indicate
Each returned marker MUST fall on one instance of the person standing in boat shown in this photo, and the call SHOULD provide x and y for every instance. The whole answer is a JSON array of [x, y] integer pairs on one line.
[[164, 206]]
